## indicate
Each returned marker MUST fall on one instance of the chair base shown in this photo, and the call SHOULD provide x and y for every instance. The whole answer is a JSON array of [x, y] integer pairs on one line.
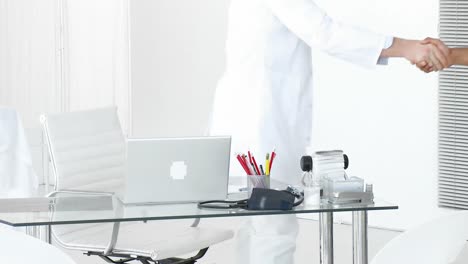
[[122, 258]]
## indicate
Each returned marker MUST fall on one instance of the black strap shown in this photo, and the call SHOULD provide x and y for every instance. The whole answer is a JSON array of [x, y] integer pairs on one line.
[[300, 199]]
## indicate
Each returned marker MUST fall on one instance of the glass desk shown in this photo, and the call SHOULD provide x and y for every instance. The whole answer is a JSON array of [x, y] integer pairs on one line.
[[67, 209]]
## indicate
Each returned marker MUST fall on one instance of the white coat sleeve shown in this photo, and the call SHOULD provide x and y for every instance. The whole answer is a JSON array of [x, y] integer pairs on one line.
[[311, 24]]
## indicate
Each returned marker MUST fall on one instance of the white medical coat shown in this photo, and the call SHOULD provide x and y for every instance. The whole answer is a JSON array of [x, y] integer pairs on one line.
[[264, 99], [17, 176]]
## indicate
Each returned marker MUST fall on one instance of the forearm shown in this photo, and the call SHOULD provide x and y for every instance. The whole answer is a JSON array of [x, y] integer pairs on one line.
[[316, 28], [399, 48], [459, 56]]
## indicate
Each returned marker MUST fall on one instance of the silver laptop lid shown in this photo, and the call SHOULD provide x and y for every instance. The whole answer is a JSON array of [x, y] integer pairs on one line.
[[166, 170]]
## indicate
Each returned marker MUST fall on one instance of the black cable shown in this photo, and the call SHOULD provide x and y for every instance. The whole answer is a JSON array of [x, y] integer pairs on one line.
[[222, 204], [242, 204]]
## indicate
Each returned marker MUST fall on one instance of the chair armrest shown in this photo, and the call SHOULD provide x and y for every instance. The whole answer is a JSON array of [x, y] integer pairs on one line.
[[196, 222], [115, 235], [116, 226], [54, 193]]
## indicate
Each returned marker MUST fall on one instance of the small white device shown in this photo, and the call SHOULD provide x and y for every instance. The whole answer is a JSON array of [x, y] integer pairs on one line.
[[174, 170]]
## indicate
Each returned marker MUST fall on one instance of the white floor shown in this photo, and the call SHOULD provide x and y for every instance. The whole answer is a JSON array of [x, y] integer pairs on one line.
[[307, 246]]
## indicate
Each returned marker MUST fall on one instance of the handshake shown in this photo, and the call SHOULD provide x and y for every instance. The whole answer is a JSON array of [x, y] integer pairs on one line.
[[428, 55]]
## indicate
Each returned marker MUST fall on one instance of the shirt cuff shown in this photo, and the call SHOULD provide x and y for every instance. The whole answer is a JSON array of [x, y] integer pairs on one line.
[[387, 44]]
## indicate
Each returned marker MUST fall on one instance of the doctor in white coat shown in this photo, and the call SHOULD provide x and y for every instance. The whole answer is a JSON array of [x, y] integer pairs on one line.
[[264, 99], [17, 176]]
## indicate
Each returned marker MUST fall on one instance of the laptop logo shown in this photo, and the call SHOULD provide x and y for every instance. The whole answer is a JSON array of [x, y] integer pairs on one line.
[[178, 170]]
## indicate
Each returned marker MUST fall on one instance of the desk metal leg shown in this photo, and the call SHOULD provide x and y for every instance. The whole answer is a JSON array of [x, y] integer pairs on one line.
[[48, 234], [326, 238], [360, 246], [30, 231], [39, 232]]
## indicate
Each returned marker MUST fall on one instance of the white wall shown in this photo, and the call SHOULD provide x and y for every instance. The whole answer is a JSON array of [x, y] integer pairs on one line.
[[177, 57], [28, 61], [85, 41], [96, 58]]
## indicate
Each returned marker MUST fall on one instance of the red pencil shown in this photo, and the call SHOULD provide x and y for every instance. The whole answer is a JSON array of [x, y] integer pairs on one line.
[[244, 158], [273, 155], [250, 156], [241, 161]]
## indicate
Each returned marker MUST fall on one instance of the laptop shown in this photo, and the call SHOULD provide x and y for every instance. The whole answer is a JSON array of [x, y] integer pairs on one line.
[[176, 170]]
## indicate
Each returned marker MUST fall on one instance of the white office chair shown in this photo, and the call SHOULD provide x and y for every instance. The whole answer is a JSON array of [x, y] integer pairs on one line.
[[437, 242], [18, 248], [87, 150]]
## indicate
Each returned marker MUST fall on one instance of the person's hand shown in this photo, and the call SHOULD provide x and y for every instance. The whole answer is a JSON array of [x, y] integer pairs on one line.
[[429, 54], [439, 57]]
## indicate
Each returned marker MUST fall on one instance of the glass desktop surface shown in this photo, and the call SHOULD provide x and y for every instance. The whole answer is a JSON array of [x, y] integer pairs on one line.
[[78, 209]]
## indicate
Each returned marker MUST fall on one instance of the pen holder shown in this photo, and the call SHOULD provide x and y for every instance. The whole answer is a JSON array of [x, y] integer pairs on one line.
[[257, 181]]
